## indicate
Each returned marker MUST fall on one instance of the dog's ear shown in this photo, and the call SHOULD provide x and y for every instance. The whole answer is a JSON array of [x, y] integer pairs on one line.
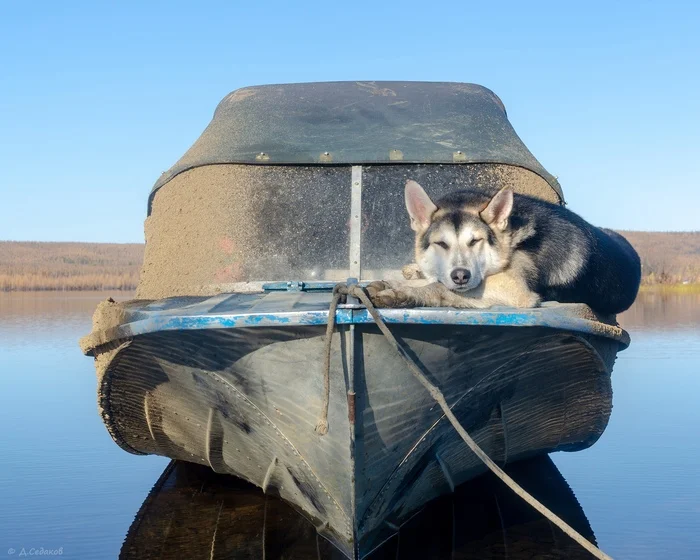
[[498, 209], [419, 206]]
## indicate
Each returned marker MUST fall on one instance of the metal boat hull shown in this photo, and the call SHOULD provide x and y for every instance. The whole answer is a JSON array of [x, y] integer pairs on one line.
[[245, 400]]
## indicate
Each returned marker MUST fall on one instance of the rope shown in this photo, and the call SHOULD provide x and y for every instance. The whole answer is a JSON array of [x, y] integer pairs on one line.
[[358, 292], [322, 425]]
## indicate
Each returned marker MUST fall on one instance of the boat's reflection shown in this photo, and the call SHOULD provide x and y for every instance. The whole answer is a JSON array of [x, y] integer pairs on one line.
[[194, 513]]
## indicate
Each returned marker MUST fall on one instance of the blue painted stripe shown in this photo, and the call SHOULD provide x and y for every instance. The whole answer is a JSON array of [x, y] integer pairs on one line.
[[538, 317]]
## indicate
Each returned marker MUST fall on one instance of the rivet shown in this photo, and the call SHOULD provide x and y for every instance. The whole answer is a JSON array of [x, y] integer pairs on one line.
[[395, 155]]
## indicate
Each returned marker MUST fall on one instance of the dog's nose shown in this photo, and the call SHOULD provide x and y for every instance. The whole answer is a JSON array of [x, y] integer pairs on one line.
[[460, 276]]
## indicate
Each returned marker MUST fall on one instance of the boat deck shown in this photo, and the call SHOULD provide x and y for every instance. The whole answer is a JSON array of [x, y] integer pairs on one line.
[[114, 321]]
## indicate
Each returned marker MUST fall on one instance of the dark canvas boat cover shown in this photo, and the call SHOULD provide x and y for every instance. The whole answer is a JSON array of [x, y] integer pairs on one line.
[[342, 123]]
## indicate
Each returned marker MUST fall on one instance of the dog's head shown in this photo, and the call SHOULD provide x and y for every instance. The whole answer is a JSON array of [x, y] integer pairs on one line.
[[463, 238]]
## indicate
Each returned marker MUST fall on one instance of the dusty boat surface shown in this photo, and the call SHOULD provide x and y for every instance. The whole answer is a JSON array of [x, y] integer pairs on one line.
[[214, 366]]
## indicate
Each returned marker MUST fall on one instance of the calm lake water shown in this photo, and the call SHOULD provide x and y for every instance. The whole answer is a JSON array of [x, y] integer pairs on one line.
[[66, 487]]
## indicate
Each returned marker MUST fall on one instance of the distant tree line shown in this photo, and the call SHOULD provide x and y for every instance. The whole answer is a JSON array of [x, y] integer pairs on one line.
[[29, 266], [667, 258]]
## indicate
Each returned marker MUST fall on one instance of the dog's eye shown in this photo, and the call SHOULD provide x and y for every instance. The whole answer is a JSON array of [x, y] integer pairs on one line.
[[475, 241], [442, 244]]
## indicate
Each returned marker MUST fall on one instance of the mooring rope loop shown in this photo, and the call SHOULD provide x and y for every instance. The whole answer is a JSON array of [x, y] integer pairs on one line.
[[340, 291]]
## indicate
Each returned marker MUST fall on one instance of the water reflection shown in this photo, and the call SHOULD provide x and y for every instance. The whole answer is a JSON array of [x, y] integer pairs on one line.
[[193, 512], [55, 319], [658, 310]]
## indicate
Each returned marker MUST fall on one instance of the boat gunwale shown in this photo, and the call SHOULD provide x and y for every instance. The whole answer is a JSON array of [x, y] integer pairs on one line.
[[548, 316]]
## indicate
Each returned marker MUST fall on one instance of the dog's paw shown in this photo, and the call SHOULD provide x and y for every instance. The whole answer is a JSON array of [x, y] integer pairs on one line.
[[387, 298], [373, 288], [382, 294], [379, 293]]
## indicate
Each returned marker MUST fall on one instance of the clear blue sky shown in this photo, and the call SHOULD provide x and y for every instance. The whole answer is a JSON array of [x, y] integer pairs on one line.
[[97, 98]]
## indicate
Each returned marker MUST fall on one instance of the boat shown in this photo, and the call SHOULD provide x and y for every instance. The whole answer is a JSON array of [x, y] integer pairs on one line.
[[218, 360], [192, 512]]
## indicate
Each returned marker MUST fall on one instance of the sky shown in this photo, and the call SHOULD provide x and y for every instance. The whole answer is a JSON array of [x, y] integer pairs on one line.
[[98, 98]]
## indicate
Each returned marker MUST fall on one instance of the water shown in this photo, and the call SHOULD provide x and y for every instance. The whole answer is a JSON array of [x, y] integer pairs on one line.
[[66, 487], [639, 484]]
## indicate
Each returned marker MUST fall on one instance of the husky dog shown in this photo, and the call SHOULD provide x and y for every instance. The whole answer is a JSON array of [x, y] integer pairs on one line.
[[475, 250]]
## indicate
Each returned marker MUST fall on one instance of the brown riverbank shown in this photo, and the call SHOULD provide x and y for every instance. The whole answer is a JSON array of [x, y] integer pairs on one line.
[[690, 288], [670, 261], [667, 257], [39, 266]]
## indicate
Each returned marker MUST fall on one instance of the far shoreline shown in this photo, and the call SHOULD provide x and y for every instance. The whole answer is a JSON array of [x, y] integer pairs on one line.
[[678, 288]]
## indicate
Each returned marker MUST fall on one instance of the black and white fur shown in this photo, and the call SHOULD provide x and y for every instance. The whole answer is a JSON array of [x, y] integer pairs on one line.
[[476, 250]]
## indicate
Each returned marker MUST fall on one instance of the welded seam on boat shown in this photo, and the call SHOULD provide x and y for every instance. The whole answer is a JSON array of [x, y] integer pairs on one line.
[[268, 474], [379, 545], [335, 547], [241, 396], [408, 520], [209, 440], [158, 441], [147, 415], [433, 426]]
